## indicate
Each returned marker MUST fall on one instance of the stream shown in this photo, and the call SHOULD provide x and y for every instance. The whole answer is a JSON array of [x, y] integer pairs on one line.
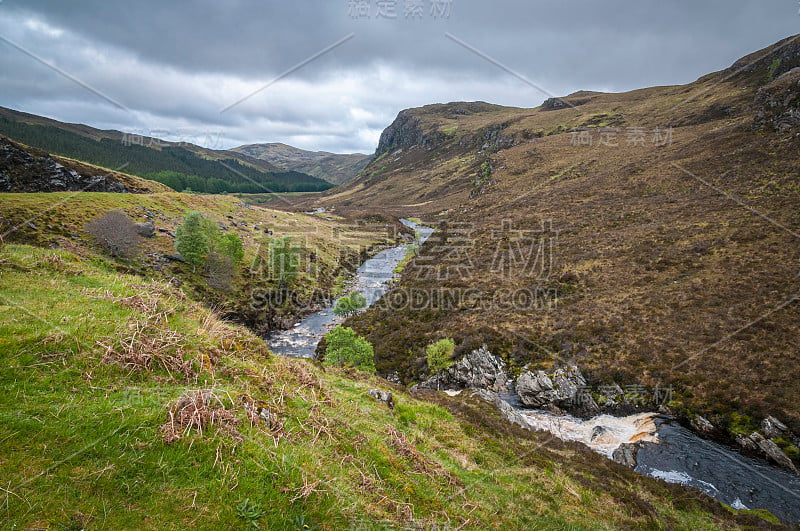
[[673, 453], [669, 451], [371, 280]]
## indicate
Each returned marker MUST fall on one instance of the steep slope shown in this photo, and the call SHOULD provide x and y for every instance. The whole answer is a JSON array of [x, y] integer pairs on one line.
[[180, 165], [334, 168], [650, 237]]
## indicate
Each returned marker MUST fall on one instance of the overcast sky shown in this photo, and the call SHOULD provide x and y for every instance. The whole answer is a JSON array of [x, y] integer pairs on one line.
[[174, 69]]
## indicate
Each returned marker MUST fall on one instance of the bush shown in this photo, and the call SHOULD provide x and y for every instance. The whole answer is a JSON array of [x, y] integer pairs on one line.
[[350, 304], [117, 233], [345, 348]]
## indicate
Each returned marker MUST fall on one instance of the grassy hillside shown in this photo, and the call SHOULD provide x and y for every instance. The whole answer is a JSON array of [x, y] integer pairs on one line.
[[178, 165], [128, 406], [674, 229], [326, 251], [332, 167]]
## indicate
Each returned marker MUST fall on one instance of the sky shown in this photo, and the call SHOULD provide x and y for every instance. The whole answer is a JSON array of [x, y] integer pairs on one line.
[[331, 75]]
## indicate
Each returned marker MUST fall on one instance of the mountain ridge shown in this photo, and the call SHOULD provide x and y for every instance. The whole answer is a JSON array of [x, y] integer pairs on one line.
[[332, 167]]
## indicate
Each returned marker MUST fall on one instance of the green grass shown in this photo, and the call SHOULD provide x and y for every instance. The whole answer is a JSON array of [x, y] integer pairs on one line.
[[84, 443]]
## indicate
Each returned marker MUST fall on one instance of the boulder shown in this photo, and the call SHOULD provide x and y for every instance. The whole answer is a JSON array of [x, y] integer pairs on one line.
[[536, 389], [702, 424], [772, 427], [773, 451], [510, 414], [146, 229], [625, 454], [479, 369]]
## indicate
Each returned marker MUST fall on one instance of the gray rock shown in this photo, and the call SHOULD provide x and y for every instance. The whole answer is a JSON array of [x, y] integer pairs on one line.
[[778, 103], [565, 387], [536, 389], [773, 451], [146, 229], [746, 442], [479, 369], [702, 424], [176, 257], [625, 454], [382, 396], [772, 427], [510, 414]]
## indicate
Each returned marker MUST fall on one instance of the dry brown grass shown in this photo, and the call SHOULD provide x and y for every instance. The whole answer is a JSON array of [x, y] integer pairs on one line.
[[199, 411]]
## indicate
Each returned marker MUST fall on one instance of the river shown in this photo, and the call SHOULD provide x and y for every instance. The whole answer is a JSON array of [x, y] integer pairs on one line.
[[371, 280], [669, 451]]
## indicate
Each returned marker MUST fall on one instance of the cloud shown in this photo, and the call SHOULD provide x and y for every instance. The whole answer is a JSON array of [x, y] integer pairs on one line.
[[174, 66]]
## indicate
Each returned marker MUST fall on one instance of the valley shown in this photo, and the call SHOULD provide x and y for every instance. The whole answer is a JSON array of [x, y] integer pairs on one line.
[[581, 315]]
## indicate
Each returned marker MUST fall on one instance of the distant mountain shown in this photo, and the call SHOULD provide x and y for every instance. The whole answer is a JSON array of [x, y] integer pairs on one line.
[[179, 165], [331, 167]]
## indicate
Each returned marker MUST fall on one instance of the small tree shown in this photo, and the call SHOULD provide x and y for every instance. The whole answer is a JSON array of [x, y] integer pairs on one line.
[[345, 348], [117, 233], [440, 354], [350, 304], [283, 259], [230, 245], [191, 239]]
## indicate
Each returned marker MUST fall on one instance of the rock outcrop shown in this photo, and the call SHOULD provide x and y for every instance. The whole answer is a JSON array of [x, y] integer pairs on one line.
[[778, 103], [564, 388], [404, 132], [23, 170], [479, 369]]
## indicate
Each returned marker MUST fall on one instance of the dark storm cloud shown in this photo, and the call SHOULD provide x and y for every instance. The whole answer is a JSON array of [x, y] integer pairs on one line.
[[177, 64]]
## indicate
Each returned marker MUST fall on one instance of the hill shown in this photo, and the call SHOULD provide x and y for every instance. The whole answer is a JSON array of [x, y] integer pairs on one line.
[[650, 236], [127, 405], [334, 168], [178, 165]]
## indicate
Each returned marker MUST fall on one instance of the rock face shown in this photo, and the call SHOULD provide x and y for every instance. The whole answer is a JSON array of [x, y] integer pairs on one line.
[[479, 369], [778, 104], [536, 389], [404, 132], [565, 387], [30, 171]]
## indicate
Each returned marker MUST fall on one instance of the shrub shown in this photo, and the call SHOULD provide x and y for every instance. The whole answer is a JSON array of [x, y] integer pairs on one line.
[[117, 233], [350, 304], [345, 348]]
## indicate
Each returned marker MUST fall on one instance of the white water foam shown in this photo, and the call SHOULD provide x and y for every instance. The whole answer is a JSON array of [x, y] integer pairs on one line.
[[603, 433]]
